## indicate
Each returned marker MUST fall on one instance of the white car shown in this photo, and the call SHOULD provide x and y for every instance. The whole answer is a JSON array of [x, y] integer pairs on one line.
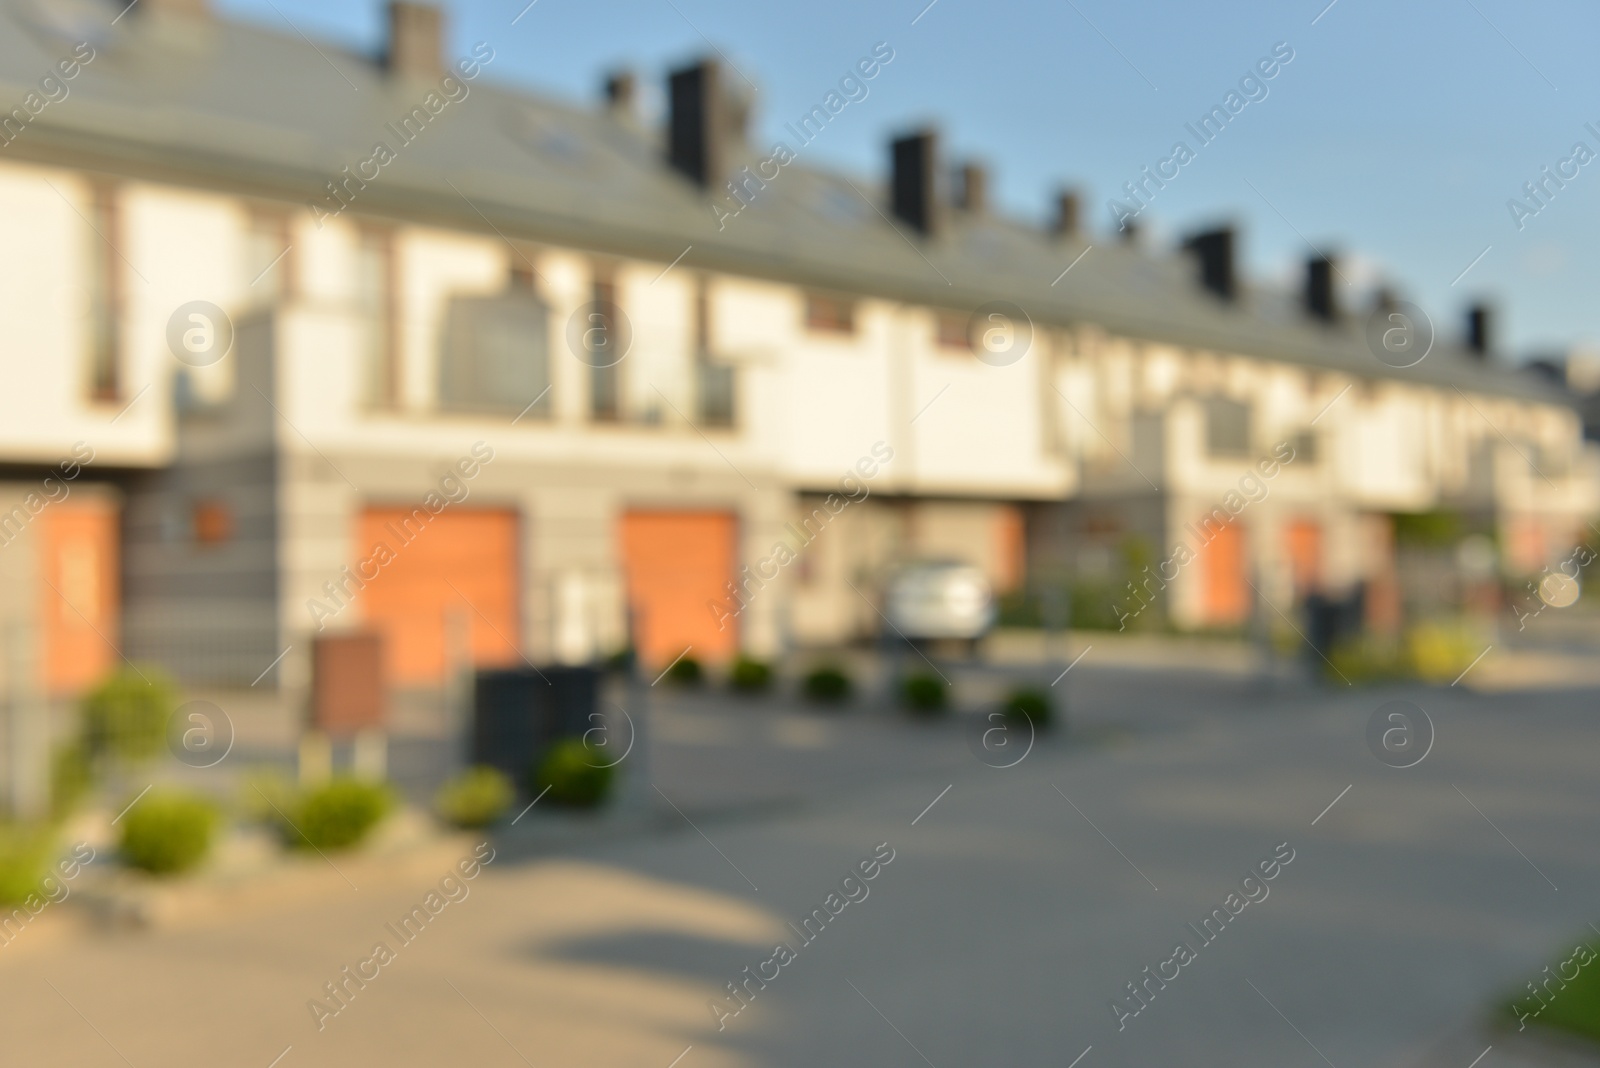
[[941, 599]]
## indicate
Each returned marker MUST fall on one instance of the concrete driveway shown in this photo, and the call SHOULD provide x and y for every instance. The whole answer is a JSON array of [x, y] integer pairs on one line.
[[1015, 909]]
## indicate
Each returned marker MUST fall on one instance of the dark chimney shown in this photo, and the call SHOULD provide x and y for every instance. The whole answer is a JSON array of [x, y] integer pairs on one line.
[[913, 165], [620, 92], [974, 187], [694, 130], [416, 40], [1130, 233], [1066, 220], [1214, 251], [1320, 299], [1384, 299], [1480, 326]]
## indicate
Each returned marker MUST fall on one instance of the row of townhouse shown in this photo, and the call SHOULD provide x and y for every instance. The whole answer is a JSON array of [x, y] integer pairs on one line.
[[332, 342]]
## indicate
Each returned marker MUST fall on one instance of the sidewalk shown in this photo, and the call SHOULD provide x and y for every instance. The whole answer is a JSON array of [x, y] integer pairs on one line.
[[1125, 649]]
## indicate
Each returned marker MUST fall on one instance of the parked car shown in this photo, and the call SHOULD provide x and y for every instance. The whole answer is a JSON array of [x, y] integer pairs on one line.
[[941, 599]]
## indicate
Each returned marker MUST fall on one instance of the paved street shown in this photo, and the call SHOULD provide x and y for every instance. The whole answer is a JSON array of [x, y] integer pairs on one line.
[[1014, 909]]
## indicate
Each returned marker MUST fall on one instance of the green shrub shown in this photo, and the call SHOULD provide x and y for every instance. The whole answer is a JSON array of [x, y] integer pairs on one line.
[[750, 676], [1440, 651], [685, 672], [827, 685], [339, 814], [125, 717], [1019, 608], [475, 798], [1434, 530], [165, 833], [1101, 605], [926, 695], [1435, 651], [1032, 706], [1574, 1007], [575, 775], [24, 860]]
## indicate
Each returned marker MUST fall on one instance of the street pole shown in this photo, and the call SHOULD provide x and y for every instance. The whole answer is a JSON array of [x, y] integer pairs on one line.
[[636, 795], [27, 743]]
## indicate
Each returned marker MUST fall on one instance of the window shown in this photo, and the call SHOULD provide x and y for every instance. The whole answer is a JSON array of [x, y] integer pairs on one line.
[[606, 344], [268, 263], [832, 315], [953, 331], [1305, 447], [702, 319], [1227, 427], [716, 393], [497, 355], [104, 283], [714, 382], [375, 305], [1544, 460]]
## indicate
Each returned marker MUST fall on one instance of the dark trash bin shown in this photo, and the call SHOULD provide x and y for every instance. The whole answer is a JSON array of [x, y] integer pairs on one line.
[[518, 713], [1331, 621]]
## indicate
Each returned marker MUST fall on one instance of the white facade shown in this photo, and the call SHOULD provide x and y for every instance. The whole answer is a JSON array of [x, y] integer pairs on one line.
[[248, 478]]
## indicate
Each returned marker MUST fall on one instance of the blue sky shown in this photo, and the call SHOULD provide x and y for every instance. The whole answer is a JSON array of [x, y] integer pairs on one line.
[[1397, 133]]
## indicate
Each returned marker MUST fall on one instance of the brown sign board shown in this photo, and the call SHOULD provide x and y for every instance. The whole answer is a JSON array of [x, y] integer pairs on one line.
[[347, 690]]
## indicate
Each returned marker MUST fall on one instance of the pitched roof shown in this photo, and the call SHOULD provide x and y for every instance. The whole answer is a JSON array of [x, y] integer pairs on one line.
[[247, 109]]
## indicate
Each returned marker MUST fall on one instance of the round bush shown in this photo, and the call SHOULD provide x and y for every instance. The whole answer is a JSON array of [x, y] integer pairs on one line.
[[750, 676], [1030, 705], [575, 774], [828, 685], [24, 861], [125, 717], [686, 672], [339, 814], [926, 695], [169, 832], [475, 798]]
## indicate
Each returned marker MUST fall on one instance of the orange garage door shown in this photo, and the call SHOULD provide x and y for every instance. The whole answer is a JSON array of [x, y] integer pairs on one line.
[[1303, 541], [1011, 548], [1227, 595], [457, 570], [78, 556], [677, 564]]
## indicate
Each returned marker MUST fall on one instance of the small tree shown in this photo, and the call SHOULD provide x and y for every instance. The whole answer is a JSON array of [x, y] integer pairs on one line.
[[125, 717]]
